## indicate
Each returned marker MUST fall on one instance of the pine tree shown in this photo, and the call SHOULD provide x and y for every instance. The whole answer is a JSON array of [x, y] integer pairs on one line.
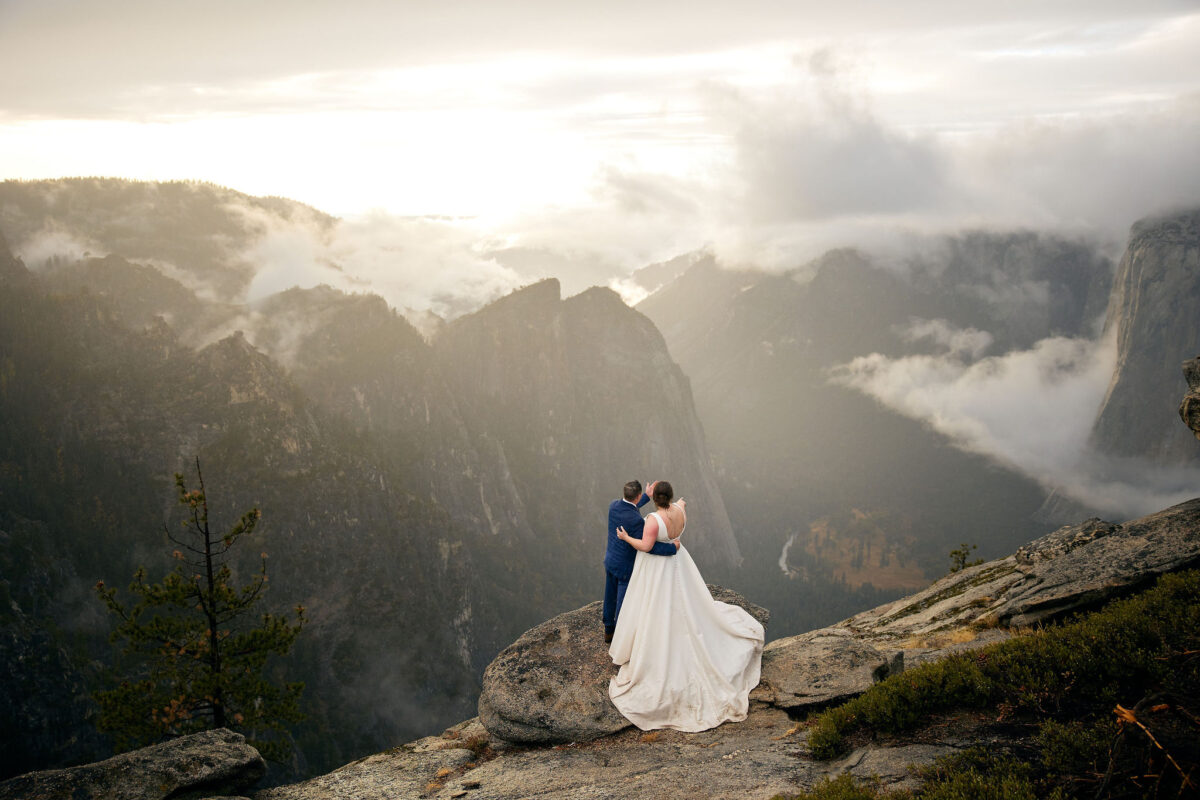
[[196, 660], [959, 556]]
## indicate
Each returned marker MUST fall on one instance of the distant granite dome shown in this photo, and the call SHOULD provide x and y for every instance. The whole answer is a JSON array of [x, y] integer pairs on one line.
[[1153, 313]]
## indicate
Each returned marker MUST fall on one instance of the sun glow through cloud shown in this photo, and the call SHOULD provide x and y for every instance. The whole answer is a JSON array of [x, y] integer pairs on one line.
[[452, 120]]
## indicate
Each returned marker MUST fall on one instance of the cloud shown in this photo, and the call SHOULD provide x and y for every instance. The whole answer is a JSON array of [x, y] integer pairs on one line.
[[823, 154], [1004, 406], [633, 218], [964, 342], [416, 264], [54, 241], [817, 166], [1031, 410], [1098, 173], [630, 290], [288, 256]]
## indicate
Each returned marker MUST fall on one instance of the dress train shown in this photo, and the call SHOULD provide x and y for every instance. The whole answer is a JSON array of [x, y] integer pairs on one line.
[[688, 662]]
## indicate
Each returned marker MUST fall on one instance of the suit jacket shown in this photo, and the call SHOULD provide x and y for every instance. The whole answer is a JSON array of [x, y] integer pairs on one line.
[[618, 558]]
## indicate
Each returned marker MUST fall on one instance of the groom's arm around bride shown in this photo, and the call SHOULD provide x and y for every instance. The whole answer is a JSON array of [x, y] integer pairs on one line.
[[619, 556]]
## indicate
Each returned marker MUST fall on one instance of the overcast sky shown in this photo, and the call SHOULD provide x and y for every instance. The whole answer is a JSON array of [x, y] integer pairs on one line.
[[635, 129]]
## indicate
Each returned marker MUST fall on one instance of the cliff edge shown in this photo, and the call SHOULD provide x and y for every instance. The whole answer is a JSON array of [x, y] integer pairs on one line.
[[1076, 568]]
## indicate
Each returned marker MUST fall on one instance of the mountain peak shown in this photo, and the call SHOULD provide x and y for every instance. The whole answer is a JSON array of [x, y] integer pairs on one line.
[[537, 301], [543, 291], [1154, 321], [598, 296], [1178, 227]]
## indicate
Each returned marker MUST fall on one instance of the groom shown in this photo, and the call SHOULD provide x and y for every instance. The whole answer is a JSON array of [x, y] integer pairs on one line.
[[618, 558]]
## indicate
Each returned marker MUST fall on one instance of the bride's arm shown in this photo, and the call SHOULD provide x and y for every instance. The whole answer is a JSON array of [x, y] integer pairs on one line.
[[649, 535]]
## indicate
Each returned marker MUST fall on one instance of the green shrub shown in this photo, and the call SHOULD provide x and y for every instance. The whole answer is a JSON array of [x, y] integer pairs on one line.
[[844, 787], [1079, 669], [1078, 747], [978, 775], [971, 775]]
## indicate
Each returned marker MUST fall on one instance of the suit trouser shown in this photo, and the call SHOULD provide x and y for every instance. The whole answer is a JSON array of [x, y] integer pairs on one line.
[[614, 596]]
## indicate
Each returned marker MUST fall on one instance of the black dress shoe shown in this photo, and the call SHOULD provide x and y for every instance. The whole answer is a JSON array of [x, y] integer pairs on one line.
[[608, 637]]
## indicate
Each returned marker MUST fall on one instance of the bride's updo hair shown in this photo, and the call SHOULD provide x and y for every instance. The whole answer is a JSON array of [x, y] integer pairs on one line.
[[663, 494]]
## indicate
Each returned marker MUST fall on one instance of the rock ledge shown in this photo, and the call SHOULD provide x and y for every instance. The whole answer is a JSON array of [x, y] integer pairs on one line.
[[207, 764], [550, 686]]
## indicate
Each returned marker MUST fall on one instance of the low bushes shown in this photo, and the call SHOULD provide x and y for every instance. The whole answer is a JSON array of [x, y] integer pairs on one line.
[[1115, 655], [1142, 653]]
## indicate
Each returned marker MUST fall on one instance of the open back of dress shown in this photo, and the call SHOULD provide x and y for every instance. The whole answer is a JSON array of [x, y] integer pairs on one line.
[[687, 661]]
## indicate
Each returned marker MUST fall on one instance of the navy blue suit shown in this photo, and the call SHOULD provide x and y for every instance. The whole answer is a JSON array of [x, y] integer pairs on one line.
[[619, 556]]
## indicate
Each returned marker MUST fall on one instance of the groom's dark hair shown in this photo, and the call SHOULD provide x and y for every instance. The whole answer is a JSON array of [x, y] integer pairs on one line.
[[633, 490]]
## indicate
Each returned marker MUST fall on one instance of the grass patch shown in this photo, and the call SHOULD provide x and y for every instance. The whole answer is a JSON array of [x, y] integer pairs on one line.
[[1142, 652]]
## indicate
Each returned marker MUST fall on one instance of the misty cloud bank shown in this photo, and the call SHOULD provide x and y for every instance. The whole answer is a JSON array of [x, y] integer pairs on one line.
[[818, 168], [55, 243], [1030, 410], [814, 165], [417, 265]]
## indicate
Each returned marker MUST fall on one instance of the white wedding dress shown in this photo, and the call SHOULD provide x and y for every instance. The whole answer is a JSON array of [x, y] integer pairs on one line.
[[687, 661]]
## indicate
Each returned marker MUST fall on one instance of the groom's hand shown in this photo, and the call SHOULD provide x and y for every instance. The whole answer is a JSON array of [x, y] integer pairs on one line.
[[678, 544]]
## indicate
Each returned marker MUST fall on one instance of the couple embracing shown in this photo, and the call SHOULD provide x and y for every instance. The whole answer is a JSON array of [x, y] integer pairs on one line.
[[687, 661]]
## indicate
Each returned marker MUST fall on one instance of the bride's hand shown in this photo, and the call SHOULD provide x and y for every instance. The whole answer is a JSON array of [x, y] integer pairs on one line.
[[622, 534]]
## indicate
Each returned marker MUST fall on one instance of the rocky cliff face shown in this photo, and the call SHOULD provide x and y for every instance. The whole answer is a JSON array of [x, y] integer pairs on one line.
[[99, 415], [569, 397], [1152, 314], [426, 502]]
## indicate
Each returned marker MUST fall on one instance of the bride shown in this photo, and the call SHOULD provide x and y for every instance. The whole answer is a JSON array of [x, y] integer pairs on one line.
[[687, 661]]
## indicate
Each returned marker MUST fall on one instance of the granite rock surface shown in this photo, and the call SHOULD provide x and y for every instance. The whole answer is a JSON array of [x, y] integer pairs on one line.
[[207, 764], [550, 686], [1189, 409], [762, 757]]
